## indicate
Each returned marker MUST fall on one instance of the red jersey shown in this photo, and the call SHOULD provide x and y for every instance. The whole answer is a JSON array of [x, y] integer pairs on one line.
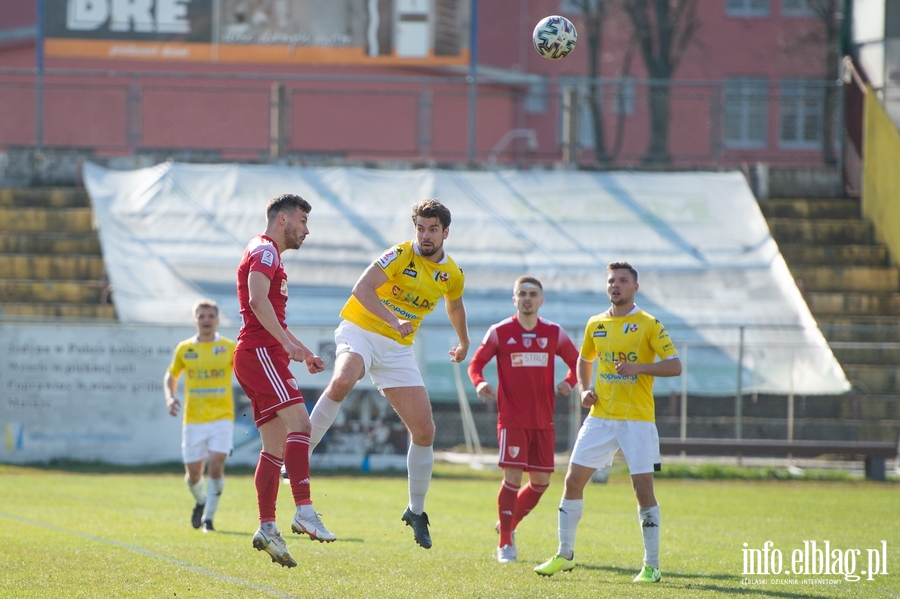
[[261, 255], [526, 390]]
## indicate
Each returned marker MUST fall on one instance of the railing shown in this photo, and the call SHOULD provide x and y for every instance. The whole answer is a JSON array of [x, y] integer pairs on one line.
[[516, 119]]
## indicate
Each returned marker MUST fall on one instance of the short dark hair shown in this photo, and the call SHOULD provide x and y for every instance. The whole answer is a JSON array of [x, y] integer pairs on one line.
[[431, 209], [622, 266], [528, 279], [286, 202]]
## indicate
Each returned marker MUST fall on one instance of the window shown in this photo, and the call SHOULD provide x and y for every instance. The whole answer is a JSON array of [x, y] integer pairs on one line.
[[585, 117], [802, 108], [797, 8], [746, 113], [536, 98], [747, 8]]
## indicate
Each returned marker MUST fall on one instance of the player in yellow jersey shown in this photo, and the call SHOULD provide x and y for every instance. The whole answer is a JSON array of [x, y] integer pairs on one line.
[[208, 425], [626, 342], [381, 318]]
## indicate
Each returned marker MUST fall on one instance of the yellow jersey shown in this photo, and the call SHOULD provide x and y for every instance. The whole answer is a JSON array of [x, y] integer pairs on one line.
[[414, 286], [207, 382], [637, 337]]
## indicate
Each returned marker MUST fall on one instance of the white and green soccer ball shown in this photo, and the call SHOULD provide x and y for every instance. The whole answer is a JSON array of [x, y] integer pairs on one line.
[[554, 37]]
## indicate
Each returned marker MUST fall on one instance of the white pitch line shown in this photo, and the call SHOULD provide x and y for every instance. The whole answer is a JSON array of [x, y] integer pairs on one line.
[[165, 558]]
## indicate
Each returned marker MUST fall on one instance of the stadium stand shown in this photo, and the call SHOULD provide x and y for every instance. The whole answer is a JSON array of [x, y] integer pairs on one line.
[[50, 260], [849, 284]]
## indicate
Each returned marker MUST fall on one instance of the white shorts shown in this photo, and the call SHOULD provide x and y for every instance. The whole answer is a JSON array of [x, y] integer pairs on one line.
[[600, 438], [197, 440], [388, 363]]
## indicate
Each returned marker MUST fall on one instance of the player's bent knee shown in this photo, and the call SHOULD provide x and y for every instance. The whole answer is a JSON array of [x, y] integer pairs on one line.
[[423, 435]]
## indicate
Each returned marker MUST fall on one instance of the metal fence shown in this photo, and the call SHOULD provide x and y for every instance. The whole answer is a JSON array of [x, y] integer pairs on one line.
[[513, 119]]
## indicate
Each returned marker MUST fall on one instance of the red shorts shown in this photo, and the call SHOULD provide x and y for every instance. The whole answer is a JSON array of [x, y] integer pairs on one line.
[[266, 379], [530, 449]]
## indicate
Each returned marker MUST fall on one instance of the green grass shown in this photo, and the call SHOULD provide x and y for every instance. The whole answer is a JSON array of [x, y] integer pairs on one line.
[[96, 533]]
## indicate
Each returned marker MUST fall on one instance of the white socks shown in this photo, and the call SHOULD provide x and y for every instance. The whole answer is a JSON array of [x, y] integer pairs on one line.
[[197, 490], [570, 511], [213, 491], [419, 465], [321, 418], [649, 518]]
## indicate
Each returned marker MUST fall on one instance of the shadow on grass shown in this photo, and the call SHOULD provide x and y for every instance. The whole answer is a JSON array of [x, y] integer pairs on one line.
[[441, 471], [696, 582]]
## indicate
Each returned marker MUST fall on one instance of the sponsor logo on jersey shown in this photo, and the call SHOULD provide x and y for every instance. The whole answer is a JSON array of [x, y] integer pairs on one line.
[[284, 287], [293, 384], [612, 356], [267, 258], [404, 313], [388, 257], [529, 359], [599, 334], [511, 341], [410, 298], [410, 272], [190, 355], [209, 373]]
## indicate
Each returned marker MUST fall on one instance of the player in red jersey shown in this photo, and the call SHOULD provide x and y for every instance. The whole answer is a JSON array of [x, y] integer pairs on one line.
[[526, 347], [265, 347]]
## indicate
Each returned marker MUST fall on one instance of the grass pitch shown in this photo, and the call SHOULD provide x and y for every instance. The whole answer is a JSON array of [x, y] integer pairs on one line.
[[115, 534]]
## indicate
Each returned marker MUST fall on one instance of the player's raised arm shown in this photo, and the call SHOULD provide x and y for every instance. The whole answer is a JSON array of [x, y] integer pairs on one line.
[[365, 291]]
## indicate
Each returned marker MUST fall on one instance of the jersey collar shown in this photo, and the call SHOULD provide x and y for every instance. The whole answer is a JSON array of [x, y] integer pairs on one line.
[[634, 311], [215, 339], [443, 259]]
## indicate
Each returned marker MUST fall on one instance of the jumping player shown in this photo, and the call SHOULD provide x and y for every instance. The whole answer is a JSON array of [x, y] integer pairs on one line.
[[265, 348], [381, 318]]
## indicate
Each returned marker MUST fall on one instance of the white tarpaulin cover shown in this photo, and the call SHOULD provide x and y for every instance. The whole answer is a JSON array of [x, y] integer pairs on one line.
[[709, 268]]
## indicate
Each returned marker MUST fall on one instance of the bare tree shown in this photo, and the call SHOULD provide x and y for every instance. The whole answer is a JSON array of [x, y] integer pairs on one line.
[[594, 13], [827, 13], [663, 30]]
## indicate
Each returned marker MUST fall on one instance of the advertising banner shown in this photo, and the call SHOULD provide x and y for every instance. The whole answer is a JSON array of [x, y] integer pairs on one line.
[[353, 32]]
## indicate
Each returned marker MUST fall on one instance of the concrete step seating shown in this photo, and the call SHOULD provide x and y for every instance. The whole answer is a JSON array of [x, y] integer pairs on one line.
[[848, 282], [51, 264], [829, 255], [831, 231]]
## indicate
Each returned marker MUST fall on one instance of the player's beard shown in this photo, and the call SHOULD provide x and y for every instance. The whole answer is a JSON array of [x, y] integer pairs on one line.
[[291, 239], [428, 253], [621, 300]]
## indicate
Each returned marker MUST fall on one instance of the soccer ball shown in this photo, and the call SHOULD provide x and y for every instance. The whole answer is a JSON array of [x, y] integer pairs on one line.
[[554, 37]]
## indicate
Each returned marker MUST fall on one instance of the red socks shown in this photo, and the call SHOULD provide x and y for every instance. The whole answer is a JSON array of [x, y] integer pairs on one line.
[[267, 479], [528, 497], [296, 462], [506, 504]]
